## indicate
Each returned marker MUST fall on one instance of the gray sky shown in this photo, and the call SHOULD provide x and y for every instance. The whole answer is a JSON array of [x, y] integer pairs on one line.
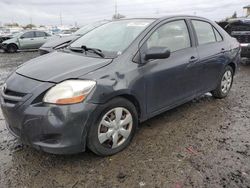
[[85, 11]]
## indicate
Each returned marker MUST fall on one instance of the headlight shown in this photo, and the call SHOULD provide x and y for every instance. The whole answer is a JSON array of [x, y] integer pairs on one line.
[[69, 92]]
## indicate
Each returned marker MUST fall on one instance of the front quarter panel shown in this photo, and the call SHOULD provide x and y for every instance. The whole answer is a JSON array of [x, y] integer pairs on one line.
[[118, 79], [13, 40]]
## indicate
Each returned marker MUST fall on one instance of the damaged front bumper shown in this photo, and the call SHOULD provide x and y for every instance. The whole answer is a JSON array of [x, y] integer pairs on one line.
[[58, 129]]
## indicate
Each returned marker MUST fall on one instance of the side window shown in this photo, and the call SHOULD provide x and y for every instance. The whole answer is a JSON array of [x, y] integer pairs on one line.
[[40, 34], [173, 35], [204, 32], [28, 35], [218, 35]]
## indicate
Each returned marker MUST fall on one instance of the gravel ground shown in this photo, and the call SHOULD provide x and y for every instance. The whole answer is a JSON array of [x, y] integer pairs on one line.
[[204, 143]]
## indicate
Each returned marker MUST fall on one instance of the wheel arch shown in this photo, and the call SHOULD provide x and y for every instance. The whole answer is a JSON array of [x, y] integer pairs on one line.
[[14, 44], [126, 94], [233, 66], [133, 100]]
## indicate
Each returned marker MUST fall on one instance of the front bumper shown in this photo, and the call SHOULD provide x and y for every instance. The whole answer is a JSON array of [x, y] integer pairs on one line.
[[58, 129], [3, 46], [245, 50]]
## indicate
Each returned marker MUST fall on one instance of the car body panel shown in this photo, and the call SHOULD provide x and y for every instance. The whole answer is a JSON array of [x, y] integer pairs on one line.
[[62, 70], [57, 40]]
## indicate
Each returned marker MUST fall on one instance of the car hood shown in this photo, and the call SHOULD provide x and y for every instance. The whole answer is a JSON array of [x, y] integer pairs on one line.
[[58, 66], [11, 40], [57, 40]]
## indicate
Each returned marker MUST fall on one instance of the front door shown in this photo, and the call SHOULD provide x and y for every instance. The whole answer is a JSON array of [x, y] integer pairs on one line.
[[171, 81], [27, 41]]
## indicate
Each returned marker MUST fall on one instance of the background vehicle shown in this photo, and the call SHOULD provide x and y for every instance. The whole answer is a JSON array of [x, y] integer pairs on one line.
[[4, 37], [127, 72], [239, 28], [61, 42], [65, 33], [6, 33], [25, 40]]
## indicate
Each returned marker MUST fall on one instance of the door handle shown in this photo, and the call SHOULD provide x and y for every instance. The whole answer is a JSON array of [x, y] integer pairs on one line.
[[31, 39], [193, 59]]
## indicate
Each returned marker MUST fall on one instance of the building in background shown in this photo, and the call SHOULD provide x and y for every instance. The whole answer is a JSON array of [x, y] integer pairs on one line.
[[248, 9]]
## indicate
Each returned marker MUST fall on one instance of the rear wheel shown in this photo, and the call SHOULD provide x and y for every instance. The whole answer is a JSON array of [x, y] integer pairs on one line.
[[114, 129], [12, 48], [225, 84]]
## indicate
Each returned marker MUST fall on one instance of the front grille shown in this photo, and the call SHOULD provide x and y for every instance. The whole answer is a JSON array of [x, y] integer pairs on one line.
[[12, 97], [14, 93]]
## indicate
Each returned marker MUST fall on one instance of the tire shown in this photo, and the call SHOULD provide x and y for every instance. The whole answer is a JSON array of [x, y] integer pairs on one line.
[[12, 48], [224, 84], [106, 139]]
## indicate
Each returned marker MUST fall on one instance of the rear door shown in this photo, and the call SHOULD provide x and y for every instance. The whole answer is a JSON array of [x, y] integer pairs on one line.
[[40, 38], [171, 81], [212, 51]]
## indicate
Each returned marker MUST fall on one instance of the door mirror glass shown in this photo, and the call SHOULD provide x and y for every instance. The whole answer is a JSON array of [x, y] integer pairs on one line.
[[157, 53]]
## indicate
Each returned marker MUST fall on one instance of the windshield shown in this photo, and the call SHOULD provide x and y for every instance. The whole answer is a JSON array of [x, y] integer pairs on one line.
[[88, 28], [114, 36]]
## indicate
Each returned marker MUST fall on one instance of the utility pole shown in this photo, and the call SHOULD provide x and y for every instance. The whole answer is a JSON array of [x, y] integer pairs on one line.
[[61, 18], [115, 7]]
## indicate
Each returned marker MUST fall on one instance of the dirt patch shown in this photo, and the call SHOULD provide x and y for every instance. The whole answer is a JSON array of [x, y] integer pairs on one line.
[[204, 143]]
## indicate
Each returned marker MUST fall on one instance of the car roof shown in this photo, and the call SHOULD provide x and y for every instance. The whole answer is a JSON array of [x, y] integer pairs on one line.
[[165, 17], [160, 18]]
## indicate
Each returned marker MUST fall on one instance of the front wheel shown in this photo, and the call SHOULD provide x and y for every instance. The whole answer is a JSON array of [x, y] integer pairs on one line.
[[114, 129], [12, 48], [225, 84]]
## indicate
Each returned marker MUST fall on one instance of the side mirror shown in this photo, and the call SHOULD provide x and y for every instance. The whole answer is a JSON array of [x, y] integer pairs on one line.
[[157, 53], [21, 37]]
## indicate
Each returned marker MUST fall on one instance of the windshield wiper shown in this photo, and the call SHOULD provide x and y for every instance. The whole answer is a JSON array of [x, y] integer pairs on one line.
[[76, 49], [85, 49], [95, 50]]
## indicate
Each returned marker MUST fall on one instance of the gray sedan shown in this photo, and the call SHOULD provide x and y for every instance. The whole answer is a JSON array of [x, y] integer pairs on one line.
[[25, 40]]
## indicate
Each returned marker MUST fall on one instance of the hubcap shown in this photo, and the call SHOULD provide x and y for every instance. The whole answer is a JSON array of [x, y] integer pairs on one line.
[[115, 127], [226, 81]]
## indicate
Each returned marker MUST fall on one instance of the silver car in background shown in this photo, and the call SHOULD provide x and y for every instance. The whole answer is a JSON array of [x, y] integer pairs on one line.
[[25, 40]]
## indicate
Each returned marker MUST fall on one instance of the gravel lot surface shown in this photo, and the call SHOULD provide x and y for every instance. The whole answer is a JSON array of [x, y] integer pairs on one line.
[[204, 143]]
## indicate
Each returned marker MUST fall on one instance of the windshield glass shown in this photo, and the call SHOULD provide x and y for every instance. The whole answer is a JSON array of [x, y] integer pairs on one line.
[[88, 28], [114, 36]]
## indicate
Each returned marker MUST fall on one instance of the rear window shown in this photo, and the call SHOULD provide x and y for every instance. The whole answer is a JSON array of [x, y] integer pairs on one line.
[[40, 34]]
